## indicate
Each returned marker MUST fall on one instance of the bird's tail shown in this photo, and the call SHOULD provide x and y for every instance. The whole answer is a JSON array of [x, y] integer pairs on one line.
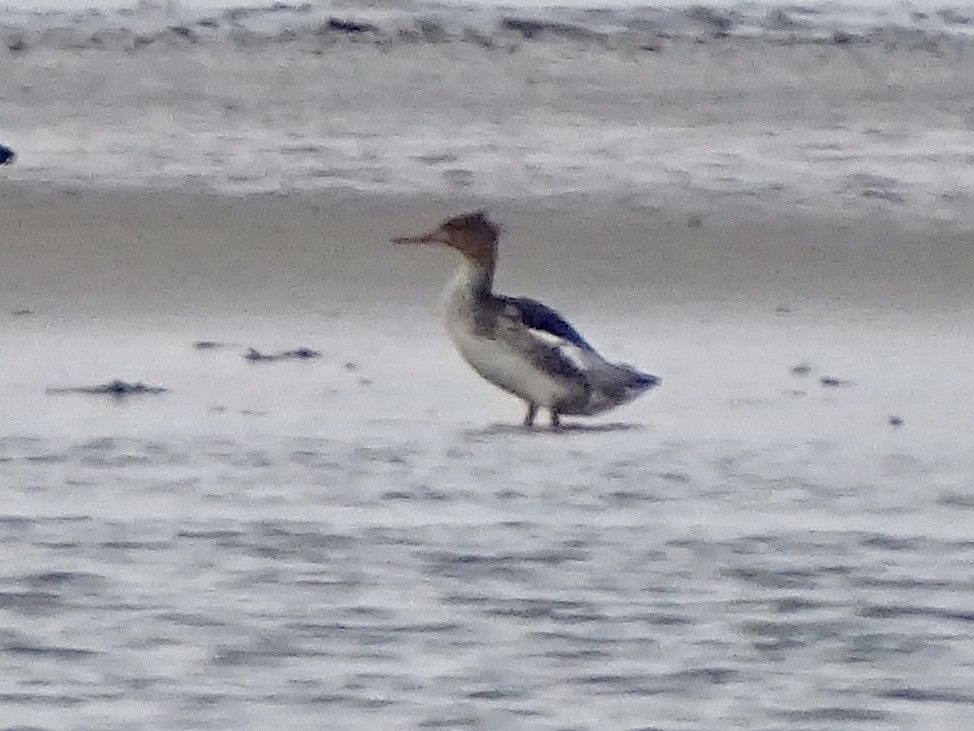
[[614, 384]]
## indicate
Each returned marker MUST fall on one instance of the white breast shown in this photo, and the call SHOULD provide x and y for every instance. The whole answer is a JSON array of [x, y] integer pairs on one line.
[[495, 360], [505, 367]]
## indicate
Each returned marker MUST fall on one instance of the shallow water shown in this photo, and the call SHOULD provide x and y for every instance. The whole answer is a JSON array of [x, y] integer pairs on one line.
[[361, 542], [226, 583], [792, 106]]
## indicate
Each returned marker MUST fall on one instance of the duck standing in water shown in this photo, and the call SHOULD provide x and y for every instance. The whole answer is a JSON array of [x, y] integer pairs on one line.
[[519, 344]]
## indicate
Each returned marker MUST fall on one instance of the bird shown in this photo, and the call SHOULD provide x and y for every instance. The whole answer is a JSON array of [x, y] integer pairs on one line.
[[519, 344]]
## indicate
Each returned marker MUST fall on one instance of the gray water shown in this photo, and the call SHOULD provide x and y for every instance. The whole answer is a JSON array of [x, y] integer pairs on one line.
[[361, 545], [311, 583], [791, 105]]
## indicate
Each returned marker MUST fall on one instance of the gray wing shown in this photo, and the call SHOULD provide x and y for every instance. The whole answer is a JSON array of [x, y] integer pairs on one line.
[[541, 317], [546, 348]]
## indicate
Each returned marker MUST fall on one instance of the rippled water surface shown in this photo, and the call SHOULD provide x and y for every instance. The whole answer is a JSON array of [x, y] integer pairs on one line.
[[858, 105], [316, 545]]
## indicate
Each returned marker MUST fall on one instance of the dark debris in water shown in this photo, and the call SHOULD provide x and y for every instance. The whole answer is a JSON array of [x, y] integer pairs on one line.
[[255, 356], [208, 345], [801, 369], [842, 38], [350, 26], [7, 156], [895, 421], [116, 388], [833, 382]]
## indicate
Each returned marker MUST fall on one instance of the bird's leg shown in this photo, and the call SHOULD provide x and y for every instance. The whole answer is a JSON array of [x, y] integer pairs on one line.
[[529, 417], [555, 420]]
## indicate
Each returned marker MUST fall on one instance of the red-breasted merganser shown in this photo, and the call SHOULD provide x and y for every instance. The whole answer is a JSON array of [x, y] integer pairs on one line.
[[519, 344]]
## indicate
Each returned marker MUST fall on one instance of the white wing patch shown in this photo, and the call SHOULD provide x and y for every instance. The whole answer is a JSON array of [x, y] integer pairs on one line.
[[584, 360]]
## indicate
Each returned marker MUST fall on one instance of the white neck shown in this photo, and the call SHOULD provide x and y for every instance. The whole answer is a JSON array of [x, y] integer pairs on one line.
[[471, 281]]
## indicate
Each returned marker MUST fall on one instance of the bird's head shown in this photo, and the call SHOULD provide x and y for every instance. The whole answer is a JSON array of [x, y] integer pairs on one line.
[[472, 234]]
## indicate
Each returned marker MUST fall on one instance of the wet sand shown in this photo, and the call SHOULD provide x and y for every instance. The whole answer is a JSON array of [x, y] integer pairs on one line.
[[850, 295], [164, 252], [364, 540]]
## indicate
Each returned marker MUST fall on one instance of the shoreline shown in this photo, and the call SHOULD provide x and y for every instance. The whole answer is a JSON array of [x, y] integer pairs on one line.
[[153, 250], [860, 126]]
